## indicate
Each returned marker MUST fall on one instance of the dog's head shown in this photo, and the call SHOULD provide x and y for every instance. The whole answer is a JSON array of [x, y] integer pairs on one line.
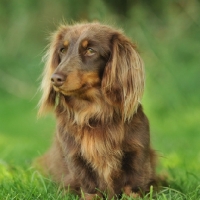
[[85, 57]]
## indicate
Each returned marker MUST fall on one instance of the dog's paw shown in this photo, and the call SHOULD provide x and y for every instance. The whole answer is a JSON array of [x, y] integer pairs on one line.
[[127, 190], [87, 196]]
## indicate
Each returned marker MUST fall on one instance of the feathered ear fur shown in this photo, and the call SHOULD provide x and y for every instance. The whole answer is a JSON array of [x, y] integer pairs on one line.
[[123, 78], [52, 60]]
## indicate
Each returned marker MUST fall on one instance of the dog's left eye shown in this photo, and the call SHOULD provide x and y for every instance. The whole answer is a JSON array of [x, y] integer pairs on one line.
[[63, 50], [89, 52]]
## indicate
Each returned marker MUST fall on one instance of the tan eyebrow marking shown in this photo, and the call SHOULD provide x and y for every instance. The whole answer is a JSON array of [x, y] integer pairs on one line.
[[84, 43], [66, 43]]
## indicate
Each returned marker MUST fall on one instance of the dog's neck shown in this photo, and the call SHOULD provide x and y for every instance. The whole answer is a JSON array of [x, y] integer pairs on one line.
[[91, 112]]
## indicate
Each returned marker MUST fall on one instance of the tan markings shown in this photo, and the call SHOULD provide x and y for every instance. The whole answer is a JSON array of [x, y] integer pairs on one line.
[[90, 78], [84, 43], [87, 196], [66, 43], [128, 191], [73, 81]]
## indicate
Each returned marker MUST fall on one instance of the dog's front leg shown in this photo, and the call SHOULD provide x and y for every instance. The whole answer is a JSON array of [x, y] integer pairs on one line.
[[87, 177], [86, 196]]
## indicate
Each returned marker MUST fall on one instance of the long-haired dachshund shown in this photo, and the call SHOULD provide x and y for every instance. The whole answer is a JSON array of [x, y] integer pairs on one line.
[[94, 78]]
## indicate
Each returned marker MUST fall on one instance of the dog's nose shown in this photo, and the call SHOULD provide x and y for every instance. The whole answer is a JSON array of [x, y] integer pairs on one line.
[[58, 79]]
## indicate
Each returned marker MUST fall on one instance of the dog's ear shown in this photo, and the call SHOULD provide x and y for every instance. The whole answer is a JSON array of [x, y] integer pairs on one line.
[[52, 60], [123, 78]]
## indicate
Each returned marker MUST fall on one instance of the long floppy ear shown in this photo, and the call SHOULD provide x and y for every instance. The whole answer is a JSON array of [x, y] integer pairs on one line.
[[123, 78], [51, 58]]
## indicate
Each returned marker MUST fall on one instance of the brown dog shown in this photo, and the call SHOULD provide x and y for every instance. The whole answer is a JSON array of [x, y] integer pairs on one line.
[[94, 78]]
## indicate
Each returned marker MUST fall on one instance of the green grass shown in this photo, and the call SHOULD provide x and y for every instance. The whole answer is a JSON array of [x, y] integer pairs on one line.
[[23, 137], [28, 184], [169, 46], [21, 183]]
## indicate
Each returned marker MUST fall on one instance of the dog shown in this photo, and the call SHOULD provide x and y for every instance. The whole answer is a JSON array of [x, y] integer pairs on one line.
[[94, 80]]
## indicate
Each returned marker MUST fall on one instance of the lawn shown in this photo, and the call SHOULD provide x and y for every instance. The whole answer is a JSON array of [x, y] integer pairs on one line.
[[170, 48]]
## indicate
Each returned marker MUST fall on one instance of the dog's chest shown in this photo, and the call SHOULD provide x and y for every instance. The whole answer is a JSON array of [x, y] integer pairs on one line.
[[102, 149], [100, 146]]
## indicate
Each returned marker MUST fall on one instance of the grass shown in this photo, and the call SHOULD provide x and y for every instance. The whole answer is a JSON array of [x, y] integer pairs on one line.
[[23, 137], [20, 183], [28, 184], [169, 46]]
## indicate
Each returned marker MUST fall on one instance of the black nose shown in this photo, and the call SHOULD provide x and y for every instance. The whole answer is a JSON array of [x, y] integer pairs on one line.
[[58, 79]]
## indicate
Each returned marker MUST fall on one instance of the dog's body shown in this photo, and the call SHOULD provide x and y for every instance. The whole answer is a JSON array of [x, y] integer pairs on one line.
[[94, 78]]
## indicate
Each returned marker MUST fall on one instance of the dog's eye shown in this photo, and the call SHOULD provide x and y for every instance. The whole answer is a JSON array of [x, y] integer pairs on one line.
[[63, 50], [89, 52]]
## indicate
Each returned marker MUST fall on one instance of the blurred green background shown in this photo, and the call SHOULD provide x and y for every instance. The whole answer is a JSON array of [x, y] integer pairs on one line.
[[167, 34]]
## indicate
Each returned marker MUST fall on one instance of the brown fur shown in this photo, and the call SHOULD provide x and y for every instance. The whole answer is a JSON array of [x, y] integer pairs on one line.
[[102, 142]]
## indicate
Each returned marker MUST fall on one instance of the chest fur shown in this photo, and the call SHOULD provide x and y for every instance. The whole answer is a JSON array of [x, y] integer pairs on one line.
[[99, 146]]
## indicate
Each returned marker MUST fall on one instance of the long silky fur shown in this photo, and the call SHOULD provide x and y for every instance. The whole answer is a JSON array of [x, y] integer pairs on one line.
[[51, 60], [90, 134], [124, 76]]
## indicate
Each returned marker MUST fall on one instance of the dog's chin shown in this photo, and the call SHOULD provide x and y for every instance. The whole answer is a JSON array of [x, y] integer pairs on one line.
[[69, 92], [73, 92]]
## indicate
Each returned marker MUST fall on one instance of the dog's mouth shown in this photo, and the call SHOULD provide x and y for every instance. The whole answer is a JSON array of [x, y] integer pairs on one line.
[[74, 92], [65, 91], [77, 84]]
